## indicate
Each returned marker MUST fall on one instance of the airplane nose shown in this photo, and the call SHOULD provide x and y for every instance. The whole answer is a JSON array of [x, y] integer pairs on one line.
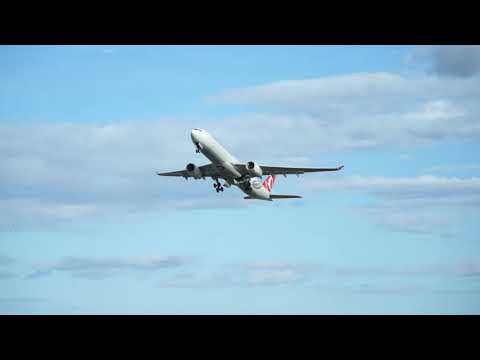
[[197, 134], [193, 135]]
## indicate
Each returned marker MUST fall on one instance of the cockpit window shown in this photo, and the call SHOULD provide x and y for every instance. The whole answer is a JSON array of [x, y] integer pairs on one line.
[[198, 129]]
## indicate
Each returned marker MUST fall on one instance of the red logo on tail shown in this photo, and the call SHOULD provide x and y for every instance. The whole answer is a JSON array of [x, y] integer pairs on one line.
[[268, 182]]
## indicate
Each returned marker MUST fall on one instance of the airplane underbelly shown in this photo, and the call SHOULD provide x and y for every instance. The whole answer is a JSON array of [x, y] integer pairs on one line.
[[216, 153], [221, 161], [211, 155]]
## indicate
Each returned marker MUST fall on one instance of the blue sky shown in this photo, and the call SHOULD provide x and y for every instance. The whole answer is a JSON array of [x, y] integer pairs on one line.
[[88, 228]]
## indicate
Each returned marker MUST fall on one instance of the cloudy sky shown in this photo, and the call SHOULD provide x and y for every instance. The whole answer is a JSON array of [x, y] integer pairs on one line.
[[86, 227]]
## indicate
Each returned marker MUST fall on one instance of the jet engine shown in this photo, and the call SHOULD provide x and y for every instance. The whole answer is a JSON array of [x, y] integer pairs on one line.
[[253, 169], [194, 171]]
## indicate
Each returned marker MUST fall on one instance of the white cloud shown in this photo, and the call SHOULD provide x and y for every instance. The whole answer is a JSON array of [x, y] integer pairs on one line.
[[274, 277], [428, 205], [420, 186], [61, 172], [109, 50], [57, 172], [452, 168], [375, 289], [465, 267], [362, 110], [94, 268], [414, 217], [302, 133], [199, 280], [347, 87], [245, 275], [266, 274]]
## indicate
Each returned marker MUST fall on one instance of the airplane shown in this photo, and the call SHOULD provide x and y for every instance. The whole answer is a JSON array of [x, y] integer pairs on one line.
[[246, 176]]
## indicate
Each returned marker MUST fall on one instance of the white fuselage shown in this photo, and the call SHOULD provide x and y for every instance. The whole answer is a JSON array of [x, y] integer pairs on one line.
[[224, 162]]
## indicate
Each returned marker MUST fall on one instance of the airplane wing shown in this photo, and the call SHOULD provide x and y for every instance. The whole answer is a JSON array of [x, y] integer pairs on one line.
[[207, 171], [280, 170]]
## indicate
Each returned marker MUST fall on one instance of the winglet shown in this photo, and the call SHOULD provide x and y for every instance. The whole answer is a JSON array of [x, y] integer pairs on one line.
[[340, 167]]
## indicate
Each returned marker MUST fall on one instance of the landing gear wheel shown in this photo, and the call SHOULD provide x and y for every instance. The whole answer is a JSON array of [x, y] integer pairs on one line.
[[221, 189], [218, 186]]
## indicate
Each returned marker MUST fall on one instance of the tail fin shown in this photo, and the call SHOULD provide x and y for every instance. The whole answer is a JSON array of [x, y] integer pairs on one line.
[[268, 183]]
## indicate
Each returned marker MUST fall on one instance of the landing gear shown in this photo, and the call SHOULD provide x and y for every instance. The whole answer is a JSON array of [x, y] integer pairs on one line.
[[218, 187]]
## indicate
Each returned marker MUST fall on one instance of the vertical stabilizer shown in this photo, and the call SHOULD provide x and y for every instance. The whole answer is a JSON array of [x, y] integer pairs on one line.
[[268, 183]]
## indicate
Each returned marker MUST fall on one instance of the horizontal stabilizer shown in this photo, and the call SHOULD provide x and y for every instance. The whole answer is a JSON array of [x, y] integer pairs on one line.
[[285, 197], [277, 197]]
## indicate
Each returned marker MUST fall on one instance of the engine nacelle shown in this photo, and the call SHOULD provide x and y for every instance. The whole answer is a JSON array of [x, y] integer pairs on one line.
[[194, 171], [253, 169]]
